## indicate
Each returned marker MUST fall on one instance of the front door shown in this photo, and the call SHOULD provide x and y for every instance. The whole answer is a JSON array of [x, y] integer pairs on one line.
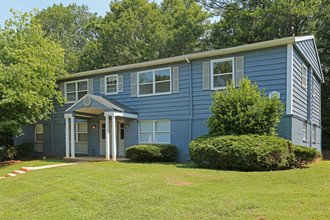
[[120, 128]]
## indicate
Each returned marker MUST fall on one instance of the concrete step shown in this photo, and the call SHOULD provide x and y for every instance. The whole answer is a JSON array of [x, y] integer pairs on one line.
[[17, 172], [10, 175]]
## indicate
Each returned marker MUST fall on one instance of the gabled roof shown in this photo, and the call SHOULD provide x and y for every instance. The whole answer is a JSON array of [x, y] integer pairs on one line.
[[98, 102], [200, 55]]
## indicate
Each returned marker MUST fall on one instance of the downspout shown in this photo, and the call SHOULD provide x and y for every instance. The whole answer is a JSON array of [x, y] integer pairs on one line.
[[190, 99], [309, 105], [52, 132]]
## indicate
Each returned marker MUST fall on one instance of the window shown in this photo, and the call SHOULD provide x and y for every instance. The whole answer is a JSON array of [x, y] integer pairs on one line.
[[122, 131], [39, 138], [222, 71], [305, 131], [156, 131], [313, 87], [80, 132], [314, 134], [75, 90], [111, 84], [154, 82], [304, 76]]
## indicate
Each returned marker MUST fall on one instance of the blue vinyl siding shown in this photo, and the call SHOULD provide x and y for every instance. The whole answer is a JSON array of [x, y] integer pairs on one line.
[[307, 48], [300, 94], [316, 104]]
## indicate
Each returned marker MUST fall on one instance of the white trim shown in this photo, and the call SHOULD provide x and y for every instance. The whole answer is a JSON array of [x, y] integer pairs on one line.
[[289, 79], [306, 78], [153, 131], [212, 74], [182, 58], [153, 82], [302, 38], [106, 87], [121, 114], [76, 85]]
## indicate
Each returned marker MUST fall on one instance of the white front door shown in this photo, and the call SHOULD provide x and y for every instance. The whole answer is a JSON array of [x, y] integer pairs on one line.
[[120, 128]]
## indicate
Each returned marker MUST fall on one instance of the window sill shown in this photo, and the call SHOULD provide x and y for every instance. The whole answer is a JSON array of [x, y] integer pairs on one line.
[[155, 143], [115, 93], [156, 94]]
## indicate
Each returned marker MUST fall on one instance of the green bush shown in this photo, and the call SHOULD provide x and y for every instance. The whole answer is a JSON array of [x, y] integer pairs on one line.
[[16, 152], [152, 153], [243, 110], [304, 154], [245, 152]]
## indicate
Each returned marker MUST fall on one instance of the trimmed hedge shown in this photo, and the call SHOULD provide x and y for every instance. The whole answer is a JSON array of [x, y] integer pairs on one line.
[[16, 152], [152, 153], [305, 154], [245, 152]]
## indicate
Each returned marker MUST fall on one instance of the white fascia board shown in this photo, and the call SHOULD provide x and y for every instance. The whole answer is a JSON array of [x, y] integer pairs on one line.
[[120, 114], [182, 58], [302, 38], [68, 116]]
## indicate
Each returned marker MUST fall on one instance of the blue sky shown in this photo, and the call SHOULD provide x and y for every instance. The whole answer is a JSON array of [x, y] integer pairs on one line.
[[98, 6]]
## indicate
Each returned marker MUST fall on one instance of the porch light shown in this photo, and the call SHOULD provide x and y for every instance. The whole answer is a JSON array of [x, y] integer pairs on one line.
[[94, 127], [126, 125]]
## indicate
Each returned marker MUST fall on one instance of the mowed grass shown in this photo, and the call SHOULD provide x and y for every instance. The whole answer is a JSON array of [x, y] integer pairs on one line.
[[119, 190]]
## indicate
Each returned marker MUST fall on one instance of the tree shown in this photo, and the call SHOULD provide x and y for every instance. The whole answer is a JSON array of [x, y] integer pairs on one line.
[[29, 66], [137, 31], [245, 110], [71, 26]]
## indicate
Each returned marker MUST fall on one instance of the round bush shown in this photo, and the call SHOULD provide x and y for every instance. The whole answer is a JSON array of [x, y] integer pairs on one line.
[[304, 154], [245, 152], [152, 153]]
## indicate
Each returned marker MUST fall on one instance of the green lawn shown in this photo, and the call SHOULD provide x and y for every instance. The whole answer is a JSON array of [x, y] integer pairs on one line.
[[119, 190]]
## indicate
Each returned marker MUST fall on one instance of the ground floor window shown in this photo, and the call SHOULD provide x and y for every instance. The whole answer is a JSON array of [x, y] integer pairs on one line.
[[314, 133], [80, 136], [305, 131], [154, 131], [39, 138]]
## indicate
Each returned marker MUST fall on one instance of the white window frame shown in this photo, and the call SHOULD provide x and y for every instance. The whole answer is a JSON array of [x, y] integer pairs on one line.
[[76, 132], [212, 73], [106, 87], [35, 136], [314, 134], [303, 66], [154, 132], [305, 131], [76, 84], [154, 82]]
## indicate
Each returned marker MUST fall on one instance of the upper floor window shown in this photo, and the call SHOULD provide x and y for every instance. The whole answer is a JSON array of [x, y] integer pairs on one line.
[[155, 131], [304, 76], [222, 71], [111, 84], [154, 82], [75, 90], [39, 138]]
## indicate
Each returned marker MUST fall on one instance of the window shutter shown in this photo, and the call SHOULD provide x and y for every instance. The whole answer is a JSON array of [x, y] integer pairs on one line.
[[239, 72], [133, 84], [120, 83], [206, 75], [102, 85], [90, 86], [62, 89], [175, 81]]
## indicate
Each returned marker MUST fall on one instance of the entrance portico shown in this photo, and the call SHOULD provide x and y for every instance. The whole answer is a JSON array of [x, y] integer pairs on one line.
[[88, 108]]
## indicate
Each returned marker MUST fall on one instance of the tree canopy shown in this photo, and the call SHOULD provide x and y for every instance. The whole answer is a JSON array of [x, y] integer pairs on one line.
[[29, 65]]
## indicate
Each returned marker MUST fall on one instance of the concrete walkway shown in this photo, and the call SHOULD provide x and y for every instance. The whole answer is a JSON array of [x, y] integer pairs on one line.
[[27, 169]]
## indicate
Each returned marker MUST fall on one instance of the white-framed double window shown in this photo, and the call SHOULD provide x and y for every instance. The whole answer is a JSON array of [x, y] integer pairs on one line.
[[154, 82], [304, 76], [314, 134], [39, 138], [80, 132], [111, 84], [222, 71], [155, 131], [305, 131], [75, 90]]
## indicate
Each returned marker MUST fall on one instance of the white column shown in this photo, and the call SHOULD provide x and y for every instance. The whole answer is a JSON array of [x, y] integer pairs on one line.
[[114, 145], [107, 138], [67, 137], [72, 138]]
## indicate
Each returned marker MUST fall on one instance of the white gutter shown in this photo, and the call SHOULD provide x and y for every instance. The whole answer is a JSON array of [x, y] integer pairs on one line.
[[182, 58]]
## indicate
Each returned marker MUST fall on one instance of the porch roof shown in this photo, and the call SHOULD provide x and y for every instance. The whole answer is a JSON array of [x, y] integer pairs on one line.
[[92, 105]]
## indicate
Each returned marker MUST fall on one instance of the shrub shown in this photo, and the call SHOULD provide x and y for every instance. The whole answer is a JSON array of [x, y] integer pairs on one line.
[[245, 152], [152, 153], [16, 152], [243, 110], [304, 154]]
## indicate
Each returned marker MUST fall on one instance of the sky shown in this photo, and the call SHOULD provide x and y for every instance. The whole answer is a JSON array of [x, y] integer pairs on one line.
[[98, 6]]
